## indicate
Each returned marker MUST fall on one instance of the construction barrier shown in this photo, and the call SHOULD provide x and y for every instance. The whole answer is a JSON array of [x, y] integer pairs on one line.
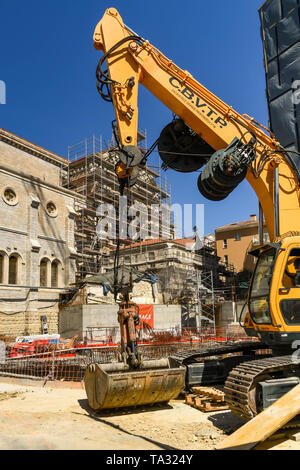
[[49, 359]]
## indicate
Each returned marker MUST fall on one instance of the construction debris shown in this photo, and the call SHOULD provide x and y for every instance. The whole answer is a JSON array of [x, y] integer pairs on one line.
[[206, 399]]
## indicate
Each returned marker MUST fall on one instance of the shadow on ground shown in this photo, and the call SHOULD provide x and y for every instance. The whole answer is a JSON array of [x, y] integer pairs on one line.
[[226, 421], [100, 417]]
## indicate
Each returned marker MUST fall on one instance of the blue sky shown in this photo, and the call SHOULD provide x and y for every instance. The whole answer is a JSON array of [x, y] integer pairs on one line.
[[48, 64]]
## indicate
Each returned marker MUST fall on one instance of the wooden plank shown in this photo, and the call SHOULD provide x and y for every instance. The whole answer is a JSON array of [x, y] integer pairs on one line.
[[209, 391], [294, 436], [208, 406], [264, 424], [189, 399]]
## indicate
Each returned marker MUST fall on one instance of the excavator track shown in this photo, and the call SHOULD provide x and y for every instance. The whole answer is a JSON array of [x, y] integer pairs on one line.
[[190, 356], [211, 365], [241, 384]]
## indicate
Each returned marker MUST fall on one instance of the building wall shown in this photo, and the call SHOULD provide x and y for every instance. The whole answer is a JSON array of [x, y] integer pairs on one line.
[[236, 250], [31, 230], [76, 320], [171, 262], [12, 149], [142, 293]]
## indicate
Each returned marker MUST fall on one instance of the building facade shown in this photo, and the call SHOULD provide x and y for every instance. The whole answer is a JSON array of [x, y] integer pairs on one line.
[[175, 264], [37, 249]]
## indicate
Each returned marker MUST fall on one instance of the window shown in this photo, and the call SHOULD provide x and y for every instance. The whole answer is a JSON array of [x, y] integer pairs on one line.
[[55, 273], [225, 244], [237, 236], [1, 269], [10, 197], [13, 270], [260, 310], [51, 209], [291, 276], [226, 259], [260, 287], [263, 274], [266, 236], [290, 309], [151, 255], [44, 272]]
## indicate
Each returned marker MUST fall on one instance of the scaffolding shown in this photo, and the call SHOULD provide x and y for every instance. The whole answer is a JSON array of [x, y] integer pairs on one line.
[[91, 173]]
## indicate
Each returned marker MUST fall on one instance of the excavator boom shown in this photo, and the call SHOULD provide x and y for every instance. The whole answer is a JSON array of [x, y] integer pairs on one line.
[[136, 61], [230, 147]]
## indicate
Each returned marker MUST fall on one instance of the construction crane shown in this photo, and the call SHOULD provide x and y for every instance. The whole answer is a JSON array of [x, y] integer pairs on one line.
[[231, 147]]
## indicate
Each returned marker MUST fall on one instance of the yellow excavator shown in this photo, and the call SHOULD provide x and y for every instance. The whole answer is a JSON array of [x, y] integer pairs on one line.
[[208, 133]]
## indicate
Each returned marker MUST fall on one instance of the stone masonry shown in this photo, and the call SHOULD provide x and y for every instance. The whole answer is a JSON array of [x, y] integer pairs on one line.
[[37, 251]]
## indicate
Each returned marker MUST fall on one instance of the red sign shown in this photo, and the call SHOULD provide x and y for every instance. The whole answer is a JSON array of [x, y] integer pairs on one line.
[[146, 316]]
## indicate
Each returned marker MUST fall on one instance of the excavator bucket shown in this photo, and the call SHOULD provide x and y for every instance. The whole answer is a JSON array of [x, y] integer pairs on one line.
[[111, 386]]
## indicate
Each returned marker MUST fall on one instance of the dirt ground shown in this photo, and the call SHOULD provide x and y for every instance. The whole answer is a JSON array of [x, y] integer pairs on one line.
[[37, 418]]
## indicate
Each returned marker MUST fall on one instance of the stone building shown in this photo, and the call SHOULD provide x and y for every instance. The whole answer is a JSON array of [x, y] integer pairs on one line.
[[173, 262], [37, 250]]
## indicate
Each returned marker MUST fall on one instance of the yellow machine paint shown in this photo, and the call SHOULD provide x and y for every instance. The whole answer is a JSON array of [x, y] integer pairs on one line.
[[274, 295]]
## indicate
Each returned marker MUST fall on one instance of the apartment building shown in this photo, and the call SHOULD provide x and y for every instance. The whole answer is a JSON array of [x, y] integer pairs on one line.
[[234, 241]]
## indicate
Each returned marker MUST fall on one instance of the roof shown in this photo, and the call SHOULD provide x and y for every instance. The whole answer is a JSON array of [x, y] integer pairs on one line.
[[179, 241], [237, 225], [20, 142]]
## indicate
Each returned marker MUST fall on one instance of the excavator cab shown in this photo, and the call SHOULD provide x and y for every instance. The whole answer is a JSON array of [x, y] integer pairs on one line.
[[274, 295]]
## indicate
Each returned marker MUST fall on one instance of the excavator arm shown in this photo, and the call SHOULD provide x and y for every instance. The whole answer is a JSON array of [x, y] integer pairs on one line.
[[231, 147], [252, 151]]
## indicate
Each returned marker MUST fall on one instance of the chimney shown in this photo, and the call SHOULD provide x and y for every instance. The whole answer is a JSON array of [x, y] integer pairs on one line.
[[253, 217]]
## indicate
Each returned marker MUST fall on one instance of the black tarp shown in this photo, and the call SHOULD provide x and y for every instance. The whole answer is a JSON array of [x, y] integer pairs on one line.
[[288, 5], [280, 28], [288, 31], [283, 119], [272, 12]]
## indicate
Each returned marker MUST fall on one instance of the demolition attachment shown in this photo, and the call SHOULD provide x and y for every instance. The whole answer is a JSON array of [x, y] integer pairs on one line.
[[182, 149], [225, 170]]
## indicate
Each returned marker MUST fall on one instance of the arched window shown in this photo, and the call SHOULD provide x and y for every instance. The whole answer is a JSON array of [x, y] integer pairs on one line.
[[44, 274], [13, 269], [55, 273]]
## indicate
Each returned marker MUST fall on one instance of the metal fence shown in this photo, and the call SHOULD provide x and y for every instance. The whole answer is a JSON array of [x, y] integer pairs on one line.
[[70, 364], [111, 336], [50, 361]]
